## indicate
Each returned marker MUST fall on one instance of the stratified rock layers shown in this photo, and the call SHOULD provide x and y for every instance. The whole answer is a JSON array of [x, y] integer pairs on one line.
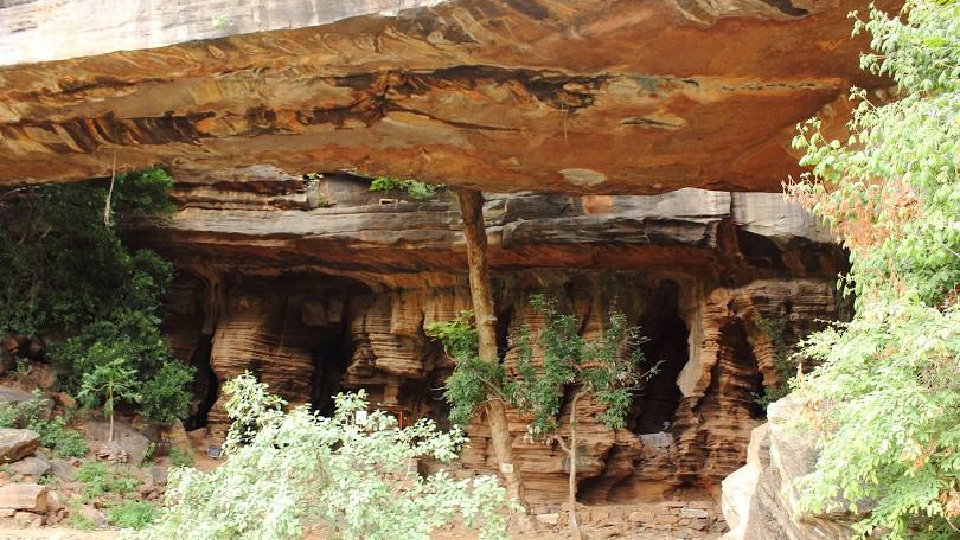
[[601, 96], [318, 299]]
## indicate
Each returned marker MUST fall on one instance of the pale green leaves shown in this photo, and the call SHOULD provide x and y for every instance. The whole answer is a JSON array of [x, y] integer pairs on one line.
[[349, 475]]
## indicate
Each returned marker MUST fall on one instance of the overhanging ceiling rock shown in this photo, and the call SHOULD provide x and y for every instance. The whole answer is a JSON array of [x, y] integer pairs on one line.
[[604, 96]]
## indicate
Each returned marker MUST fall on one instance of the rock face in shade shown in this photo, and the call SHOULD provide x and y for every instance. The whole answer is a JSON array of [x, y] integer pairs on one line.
[[318, 300], [625, 96], [760, 499]]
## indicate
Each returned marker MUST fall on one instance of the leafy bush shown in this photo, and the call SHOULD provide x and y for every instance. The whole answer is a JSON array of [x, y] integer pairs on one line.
[[67, 273], [136, 515], [350, 477], [53, 432], [180, 458], [420, 191], [100, 479], [162, 396], [886, 396]]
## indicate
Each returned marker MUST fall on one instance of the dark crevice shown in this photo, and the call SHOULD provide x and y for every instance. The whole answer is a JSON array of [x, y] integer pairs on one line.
[[206, 387]]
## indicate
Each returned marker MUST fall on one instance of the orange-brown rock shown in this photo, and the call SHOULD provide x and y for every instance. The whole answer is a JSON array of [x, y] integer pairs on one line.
[[319, 300], [626, 96]]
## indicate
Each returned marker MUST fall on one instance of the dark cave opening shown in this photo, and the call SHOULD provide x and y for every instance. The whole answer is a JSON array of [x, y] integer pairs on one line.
[[330, 359], [667, 349], [206, 387]]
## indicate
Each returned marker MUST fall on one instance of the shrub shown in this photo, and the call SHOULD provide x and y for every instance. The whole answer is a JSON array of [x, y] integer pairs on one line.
[[885, 397], [100, 479], [420, 191], [134, 515], [53, 433], [350, 477], [66, 272], [162, 396], [180, 458]]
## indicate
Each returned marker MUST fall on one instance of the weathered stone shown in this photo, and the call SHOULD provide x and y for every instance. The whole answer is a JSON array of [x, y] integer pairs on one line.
[[126, 439], [29, 497], [13, 396], [369, 278], [539, 95], [31, 467], [92, 515], [760, 499], [28, 520], [549, 519], [16, 444]]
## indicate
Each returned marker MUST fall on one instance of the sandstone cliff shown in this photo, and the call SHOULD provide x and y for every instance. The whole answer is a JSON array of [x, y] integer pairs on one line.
[[608, 96], [760, 499], [321, 298]]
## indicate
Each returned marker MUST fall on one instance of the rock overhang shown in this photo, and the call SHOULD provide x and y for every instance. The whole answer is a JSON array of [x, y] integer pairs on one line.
[[592, 96]]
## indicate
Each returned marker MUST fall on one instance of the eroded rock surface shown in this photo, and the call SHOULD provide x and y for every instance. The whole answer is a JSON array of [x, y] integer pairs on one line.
[[760, 500], [315, 300], [623, 96]]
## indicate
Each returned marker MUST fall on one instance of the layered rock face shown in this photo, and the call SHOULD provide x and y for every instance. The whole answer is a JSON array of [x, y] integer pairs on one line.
[[322, 286], [601, 96], [760, 500]]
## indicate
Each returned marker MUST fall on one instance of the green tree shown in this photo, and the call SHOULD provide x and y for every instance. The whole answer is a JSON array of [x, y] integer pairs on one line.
[[66, 276], [349, 475], [108, 383], [606, 370], [886, 395]]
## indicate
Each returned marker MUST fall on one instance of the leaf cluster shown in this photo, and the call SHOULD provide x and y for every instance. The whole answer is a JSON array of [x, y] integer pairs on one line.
[[419, 191], [886, 396], [66, 276], [348, 475]]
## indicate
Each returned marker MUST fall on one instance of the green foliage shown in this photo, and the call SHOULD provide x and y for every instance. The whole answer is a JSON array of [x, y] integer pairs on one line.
[[607, 368], [63, 267], [886, 395], [420, 191], [603, 367], [108, 383], [783, 362], [99, 479], [180, 458], [66, 273], [136, 515], [473, 380], [162, 396], [350, 477], [53, 432]]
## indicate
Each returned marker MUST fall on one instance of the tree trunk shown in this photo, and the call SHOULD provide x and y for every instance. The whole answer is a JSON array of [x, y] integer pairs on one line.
[[471, 210], [110, 400], [572, 494]]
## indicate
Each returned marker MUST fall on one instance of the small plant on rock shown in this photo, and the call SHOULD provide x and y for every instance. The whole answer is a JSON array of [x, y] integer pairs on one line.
[[108, 384]]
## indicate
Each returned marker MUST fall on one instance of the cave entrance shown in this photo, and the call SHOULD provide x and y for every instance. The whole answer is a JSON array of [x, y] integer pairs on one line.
[[205, 385], [330, 360], [655, 406]]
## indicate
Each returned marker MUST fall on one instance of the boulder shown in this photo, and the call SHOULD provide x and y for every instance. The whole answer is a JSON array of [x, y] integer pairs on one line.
[[12, 396], [760, 500], [32, 467], [93, 515], [63, 470], [16, 444], [130, 442], [28, 497]]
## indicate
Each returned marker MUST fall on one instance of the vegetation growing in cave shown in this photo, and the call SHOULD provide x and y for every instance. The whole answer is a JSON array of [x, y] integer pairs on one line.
[[67, 279], [419, 191], [886, 397], [606, 370], [349, 475], [784, 363]]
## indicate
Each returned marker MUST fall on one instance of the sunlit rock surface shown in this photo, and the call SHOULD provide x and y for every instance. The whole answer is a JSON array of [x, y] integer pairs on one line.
[[603, 96], [316, 299]]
